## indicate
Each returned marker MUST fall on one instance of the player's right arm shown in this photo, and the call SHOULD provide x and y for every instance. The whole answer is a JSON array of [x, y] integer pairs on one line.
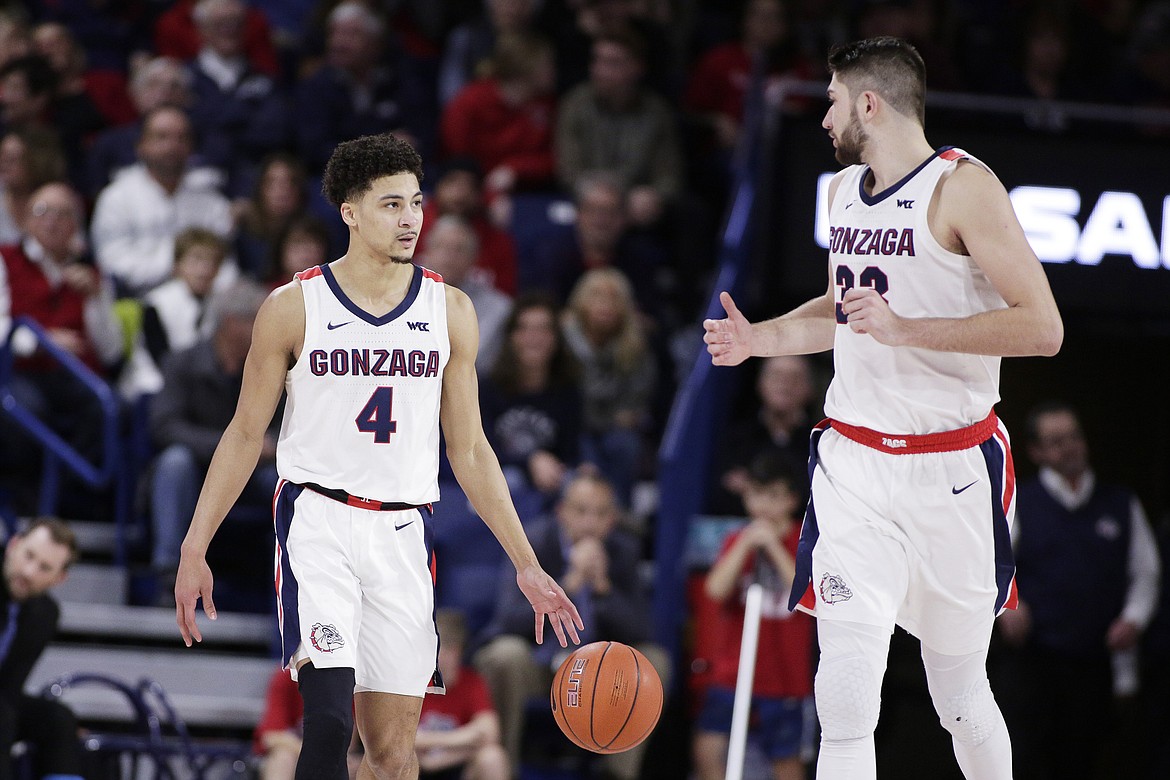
[[806, 329], [276, 339]]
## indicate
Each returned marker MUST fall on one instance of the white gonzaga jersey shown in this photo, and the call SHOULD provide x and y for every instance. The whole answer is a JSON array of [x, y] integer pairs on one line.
[[883, 241], [362, 407]]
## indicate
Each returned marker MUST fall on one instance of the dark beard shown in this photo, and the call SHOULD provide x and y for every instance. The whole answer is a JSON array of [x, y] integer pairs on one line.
[[851, 144], [403, 259], [850, 147]]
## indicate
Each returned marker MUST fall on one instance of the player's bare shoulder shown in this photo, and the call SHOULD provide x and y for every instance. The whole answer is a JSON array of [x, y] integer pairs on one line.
[[461, 320], [964, 198], [834, 185], [280, 323]]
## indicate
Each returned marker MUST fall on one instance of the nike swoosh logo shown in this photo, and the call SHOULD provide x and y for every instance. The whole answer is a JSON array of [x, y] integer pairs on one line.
[[331, 326], [957, 491], [400, 527]]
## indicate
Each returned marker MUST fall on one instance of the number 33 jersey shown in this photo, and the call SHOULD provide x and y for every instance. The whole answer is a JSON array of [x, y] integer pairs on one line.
[[362, 406], [883, 242]]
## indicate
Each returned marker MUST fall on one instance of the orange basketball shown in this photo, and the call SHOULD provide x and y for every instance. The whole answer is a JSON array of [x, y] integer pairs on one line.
[[606, 697]]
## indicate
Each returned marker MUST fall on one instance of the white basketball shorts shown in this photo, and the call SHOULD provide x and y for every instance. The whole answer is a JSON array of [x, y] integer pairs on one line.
[[912, 530], [355, 588]]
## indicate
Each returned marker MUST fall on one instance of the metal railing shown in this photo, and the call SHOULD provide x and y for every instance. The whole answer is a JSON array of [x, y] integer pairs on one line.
[[57, 452]]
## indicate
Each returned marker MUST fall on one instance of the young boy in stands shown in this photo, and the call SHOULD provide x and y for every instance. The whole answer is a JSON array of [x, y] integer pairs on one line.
[[762, 551]]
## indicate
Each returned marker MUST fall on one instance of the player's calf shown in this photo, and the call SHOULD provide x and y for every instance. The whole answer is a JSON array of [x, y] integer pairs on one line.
[[328, 722]]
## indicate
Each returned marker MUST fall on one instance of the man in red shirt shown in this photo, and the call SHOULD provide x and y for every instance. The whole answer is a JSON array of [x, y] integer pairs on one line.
[[505, 121], [459, 191], [47, 278]]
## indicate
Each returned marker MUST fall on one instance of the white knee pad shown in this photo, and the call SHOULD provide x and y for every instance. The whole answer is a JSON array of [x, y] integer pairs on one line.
[[848, 684], [971, 716], [962, 696], [848, 697]]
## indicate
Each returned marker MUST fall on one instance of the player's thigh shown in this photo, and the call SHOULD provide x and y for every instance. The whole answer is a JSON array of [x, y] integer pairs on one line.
[[859, 559], [398, 642], [319, 592], [962, 563], [386, 722]]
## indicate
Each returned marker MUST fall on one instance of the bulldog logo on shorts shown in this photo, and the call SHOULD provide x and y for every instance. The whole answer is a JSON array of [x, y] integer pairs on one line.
[[834, 589], [325, 638]]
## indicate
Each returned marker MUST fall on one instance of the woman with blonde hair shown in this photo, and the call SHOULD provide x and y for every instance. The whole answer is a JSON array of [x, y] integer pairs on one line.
[[603, 328]]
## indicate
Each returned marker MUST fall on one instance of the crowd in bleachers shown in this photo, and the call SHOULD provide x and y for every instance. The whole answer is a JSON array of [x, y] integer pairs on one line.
[[160, 166]]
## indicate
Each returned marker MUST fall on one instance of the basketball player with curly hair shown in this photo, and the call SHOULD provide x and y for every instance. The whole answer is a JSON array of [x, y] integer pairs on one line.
[[375, 353]]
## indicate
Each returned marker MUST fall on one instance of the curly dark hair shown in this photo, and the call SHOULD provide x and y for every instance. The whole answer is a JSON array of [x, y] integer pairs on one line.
[[354, 165]]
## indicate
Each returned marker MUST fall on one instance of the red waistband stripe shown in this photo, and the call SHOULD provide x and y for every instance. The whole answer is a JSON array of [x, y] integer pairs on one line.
[[916, 444]]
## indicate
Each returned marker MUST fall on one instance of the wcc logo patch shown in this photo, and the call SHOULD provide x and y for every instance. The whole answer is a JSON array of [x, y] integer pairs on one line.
[[325, 639], [834, 589]]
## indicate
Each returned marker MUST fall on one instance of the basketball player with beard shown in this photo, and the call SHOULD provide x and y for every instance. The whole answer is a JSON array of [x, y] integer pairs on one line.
[[374, 353], [931, 282]]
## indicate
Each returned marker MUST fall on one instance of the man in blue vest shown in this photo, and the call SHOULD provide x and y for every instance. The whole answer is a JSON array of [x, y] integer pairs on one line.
[[1088, 572]]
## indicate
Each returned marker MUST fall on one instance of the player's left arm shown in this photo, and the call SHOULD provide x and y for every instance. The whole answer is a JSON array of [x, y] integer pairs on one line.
[[975, 213], [478, 471]]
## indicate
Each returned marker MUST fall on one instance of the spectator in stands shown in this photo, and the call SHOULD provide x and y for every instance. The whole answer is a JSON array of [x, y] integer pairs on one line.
[[1042, 70], [601, 238], [50, 279], [354, 92], [613, 122], [459, 191], [15, 37], [459, 732], [137, 215], [35, 560], [604, 331], [1072, 618], [1143, 80], [279, 196], [201, 386], [29, 159], [598, 566], [781, 422], [277, 738], [28, 85], [451, 252], [239, 114], [763, 552], [30, 97], [82, 90], [469, 45], [177, 35], [531, 399], [302, 244], [720, 80], [113, 34], [504, 121], [155, 82], [577, 26], [175, 314]]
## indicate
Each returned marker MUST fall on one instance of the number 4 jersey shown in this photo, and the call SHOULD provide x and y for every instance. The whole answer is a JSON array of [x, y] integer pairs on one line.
[[362, 407], [883, 241]]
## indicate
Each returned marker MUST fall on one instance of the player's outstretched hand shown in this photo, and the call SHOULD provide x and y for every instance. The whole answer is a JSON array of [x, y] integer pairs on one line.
[[192, 582], [548, 599], [729, 341]]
